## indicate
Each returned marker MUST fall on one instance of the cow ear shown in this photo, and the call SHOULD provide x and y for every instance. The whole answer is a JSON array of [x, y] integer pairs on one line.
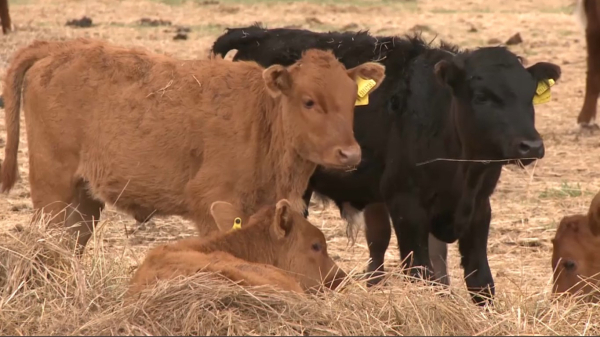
[[369, 71], [282, 224], [594, 215], [447, 72], [224, 214], [277, 79], [544, 71]]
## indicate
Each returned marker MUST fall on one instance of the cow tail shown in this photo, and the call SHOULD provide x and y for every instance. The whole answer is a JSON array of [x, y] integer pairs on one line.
[[22, 61]]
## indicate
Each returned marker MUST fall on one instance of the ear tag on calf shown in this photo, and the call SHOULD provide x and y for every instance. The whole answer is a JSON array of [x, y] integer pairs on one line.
[[364, 86], [237, 224], [542, 93]]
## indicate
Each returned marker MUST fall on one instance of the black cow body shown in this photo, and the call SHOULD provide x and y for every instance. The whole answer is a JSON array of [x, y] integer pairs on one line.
[[472, 107]]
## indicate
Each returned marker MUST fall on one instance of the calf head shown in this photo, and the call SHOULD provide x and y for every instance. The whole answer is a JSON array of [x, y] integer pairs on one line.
[[576, 253], [286, 240], [493, 103], [317, 97]]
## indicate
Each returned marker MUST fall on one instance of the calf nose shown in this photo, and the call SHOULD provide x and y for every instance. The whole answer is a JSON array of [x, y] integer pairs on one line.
[[349, 156], [531, 148]]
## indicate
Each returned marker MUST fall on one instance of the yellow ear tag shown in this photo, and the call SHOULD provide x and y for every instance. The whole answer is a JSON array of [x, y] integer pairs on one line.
[[237, 224], [364, 86], [542, 93]]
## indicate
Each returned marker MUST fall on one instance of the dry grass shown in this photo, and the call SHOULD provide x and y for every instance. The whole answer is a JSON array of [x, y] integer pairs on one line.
[[45, 290], [86, 297]]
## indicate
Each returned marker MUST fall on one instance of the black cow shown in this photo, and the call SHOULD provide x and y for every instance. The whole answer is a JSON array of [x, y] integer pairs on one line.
[[434, 137]]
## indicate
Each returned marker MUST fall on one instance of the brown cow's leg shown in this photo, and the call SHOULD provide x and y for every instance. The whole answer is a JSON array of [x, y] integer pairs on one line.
[[587, 115], [83, 215], [56, 195], [5, 16], [378, 232]]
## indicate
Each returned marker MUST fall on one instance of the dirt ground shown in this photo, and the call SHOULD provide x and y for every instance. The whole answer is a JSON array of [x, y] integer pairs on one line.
[[527, 204]]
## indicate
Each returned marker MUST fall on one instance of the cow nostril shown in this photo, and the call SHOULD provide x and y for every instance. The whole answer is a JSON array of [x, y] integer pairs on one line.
[[530, 147], [524, 148], [349, 156]]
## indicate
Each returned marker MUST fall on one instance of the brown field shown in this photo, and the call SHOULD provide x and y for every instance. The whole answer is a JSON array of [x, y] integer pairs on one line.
[[86, 297]]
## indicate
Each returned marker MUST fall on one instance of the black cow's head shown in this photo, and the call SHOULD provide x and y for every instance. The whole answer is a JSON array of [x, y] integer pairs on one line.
[[493, 103]]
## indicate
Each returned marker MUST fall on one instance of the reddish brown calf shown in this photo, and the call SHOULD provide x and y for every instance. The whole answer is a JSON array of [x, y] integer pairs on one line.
[[576, 253], [276, 246], [173, 136]]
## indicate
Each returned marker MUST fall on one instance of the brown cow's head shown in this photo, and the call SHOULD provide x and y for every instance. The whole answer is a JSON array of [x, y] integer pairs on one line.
[[318, 95], [290, 241], [576, 253]]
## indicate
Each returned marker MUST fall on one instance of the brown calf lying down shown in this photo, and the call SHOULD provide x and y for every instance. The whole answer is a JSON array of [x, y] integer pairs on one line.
[[276, 246], [154, 135], [576, 253]]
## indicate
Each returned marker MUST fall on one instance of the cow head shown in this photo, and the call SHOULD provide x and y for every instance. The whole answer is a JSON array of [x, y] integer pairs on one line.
[[317, 96], [576, 253], [493, 103], [290, 242]]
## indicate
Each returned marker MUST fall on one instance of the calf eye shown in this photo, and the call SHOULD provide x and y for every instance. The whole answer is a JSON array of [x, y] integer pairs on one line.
[[309, 103], [316, 247], [569, 265]]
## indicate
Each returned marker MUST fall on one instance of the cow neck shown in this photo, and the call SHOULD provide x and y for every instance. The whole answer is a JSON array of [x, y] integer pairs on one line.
[[249, 244], [291, 172]]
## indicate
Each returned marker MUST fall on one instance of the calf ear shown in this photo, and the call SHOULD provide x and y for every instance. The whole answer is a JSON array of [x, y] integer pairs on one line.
[[277, 79], [594, 215], [282, 224], [224, 214], [447, 72], [544, 71], [369, 71]]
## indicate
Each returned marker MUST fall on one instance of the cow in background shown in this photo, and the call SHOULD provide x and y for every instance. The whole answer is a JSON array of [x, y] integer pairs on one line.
[[588, 13]]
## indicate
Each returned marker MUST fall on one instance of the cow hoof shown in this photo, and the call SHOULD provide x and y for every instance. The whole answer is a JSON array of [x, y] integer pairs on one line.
[[482, 297], [375, 278]]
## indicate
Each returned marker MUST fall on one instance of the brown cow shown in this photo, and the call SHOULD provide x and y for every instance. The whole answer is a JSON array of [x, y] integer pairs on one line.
[[576, 252], [172, 136], [588, 12], [276, 246], [5, 17]]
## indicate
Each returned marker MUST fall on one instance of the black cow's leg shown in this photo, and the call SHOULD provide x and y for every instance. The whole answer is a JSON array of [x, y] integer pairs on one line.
[[410, 224], [378, 232], [306, 197], [473, 249], [438, 254]]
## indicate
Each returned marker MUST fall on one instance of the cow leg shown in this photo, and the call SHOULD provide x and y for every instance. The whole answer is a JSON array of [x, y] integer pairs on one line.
[[306, 197], [84, 215], [438, 254], [378, 232], [5, 16], [473, 250], [410, 220], [56, 193], [587, 115]]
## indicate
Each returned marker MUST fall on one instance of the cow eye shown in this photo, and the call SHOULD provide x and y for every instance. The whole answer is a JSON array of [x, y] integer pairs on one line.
[[569, 265], [316, 247], [480, 97], [309, 103]]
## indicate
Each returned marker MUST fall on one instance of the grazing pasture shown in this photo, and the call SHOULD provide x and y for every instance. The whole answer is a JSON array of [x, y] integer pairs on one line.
[[44, 292]]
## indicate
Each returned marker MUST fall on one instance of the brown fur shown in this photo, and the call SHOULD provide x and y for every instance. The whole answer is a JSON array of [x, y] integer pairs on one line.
[[159, 136], [590, 12], [276, 246], [5, 17], [576, 252]]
